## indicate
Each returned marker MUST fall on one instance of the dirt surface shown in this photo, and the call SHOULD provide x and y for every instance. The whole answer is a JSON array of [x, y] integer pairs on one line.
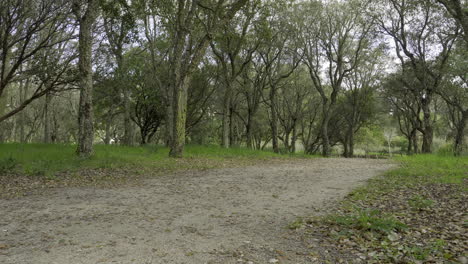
[[217, 216]]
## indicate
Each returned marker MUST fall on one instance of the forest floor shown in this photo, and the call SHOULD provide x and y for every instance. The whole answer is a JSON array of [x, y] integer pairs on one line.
[[227, 215]]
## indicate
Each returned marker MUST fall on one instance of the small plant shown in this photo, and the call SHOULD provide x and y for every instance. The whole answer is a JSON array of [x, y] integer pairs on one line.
[[8, 165], [41, 168], [298, 223], [420, 203], [418, 253], [368, 220], [423, 252]]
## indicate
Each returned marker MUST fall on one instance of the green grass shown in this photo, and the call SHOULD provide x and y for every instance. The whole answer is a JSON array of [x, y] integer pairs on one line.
[[431, 169], [48, 159], [415, 170]]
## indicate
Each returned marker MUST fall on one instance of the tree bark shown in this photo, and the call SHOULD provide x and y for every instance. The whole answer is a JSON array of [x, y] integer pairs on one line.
[[351, 143], [107, 137], [274, 120], [226, 117], [85, 112], [324, 130], [415, 143], [345, 148], [47, 137], [24, 85], [169, 118], [249, 131], [412, 135], [460, 137], [128, 126], [180, 117], [287, 146], [428, 130], [294, 138]]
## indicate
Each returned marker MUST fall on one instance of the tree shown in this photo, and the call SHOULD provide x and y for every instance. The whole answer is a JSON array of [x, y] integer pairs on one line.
[[454, 91], [86, 13], [458, 9], [189, 43], [358, 106], [29, 31], [333, 47], [294, 96], [119, 24], [233, 52], [423, 41]]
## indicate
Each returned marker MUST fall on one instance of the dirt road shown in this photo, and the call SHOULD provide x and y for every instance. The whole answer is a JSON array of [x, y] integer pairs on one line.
[[218, 216]]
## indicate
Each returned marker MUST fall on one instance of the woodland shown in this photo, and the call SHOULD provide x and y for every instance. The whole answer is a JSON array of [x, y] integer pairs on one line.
[[233, 131], [320, 77]]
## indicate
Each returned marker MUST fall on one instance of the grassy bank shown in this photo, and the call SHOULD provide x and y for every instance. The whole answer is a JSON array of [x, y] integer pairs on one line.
[[416, 213], [24, 167], [47, 159]]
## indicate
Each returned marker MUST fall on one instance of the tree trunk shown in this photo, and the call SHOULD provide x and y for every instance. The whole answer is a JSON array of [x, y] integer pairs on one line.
[[47, 137], [409, 147], [459, 138], [325, 140], [180, 117], [286, 141], [143, 136], [351, 143], [169, 118], [226, 117], [107, 137], [85, 112], [249, 130], [274, 120], [232, 131], [22, 118], [427, 123], [294, 138], [128, 126], [415, 143], [345, 148]]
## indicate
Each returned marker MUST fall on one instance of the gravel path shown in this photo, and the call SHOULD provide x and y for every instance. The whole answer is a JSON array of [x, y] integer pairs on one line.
[[217, 216]]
